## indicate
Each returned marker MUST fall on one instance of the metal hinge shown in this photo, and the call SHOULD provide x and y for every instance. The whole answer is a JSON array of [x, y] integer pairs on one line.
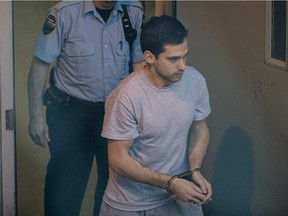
[[10, 119]]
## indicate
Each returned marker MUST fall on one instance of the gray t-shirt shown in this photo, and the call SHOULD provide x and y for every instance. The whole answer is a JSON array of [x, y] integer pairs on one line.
[[158, 120]]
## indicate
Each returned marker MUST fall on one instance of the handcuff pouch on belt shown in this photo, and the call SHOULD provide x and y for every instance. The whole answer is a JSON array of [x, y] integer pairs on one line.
[[52, 96]]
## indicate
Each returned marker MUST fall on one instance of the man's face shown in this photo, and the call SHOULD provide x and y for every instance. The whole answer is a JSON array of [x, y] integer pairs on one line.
[[170, 64]]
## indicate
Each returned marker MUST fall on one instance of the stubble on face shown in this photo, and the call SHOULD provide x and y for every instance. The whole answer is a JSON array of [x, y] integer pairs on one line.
[[170, 65]]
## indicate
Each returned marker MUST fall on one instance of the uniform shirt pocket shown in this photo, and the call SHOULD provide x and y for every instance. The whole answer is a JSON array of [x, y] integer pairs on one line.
[[122, 58], [81, 59]]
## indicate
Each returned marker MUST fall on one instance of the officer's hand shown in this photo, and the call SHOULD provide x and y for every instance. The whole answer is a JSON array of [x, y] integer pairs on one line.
[[38, 130]]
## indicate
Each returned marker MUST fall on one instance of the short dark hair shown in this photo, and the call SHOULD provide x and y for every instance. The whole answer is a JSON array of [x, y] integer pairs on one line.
[[160, 31]]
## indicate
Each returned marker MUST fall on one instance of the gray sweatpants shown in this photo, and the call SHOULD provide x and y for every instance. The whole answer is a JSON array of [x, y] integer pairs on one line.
[[172, 208]]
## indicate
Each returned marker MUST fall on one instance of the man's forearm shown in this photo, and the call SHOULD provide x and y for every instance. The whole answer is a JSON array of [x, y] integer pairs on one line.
[[36, 84], [123, 164], [198, 140]]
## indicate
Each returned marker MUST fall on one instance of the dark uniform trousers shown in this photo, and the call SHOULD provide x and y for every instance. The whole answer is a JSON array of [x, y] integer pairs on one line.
[[74, 129]]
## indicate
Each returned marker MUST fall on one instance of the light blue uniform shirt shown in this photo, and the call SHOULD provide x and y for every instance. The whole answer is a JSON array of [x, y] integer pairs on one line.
[[91, 56]]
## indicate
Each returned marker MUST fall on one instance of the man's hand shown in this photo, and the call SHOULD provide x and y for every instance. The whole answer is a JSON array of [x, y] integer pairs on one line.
[[203, 184], [198, 191], [38, 130]]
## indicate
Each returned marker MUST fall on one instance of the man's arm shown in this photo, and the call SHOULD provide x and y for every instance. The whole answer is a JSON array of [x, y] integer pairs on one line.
[[123, 164], [37, 78], [198, 140]]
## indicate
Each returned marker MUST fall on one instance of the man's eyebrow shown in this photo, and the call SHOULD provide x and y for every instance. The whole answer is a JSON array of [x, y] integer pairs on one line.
[[176, 56], [188, 51]]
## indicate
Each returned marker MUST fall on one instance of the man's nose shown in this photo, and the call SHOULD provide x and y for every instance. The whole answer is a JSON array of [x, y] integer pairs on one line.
[[182, 64]]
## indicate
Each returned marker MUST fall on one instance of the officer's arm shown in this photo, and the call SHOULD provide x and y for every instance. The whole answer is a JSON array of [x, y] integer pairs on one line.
[[36, 83]]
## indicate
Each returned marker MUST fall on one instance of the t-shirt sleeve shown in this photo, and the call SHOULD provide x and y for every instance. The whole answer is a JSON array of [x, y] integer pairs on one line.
[[203, 108], [119, 120]]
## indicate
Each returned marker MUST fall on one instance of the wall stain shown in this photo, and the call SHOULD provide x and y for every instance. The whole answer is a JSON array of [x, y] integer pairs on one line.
[[260, 89]]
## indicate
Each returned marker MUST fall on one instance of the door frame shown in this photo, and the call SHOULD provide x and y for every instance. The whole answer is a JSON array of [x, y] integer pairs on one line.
[[7, 126]]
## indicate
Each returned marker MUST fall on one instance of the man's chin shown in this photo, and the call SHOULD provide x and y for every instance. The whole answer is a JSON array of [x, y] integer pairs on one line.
[[177, 77]]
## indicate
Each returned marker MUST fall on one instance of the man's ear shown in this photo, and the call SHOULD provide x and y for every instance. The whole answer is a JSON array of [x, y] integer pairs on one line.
[[149, 57]]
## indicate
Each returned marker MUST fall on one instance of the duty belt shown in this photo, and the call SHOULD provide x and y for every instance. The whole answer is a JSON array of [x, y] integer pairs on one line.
[[54, 96]]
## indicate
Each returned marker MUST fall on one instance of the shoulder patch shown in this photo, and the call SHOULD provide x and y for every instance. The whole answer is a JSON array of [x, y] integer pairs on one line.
[[49, 25]]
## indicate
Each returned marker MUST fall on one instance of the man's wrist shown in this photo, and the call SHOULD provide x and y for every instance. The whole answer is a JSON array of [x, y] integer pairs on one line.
[[168, 185], [181, 175], [198, 169]]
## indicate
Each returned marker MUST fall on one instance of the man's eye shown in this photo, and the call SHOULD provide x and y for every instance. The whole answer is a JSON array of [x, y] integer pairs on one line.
[[174, 59]]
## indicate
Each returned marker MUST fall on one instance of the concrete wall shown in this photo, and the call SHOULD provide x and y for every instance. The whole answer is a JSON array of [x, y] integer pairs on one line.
[[247, 161]]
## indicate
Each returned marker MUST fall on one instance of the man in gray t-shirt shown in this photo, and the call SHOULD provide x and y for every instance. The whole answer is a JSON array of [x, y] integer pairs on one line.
[[156, 130]]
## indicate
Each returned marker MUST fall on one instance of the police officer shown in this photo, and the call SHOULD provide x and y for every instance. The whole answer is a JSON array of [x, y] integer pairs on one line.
[[86, 40]]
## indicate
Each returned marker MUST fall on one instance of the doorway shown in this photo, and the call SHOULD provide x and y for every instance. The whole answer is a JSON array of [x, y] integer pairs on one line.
[[7, 132]]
